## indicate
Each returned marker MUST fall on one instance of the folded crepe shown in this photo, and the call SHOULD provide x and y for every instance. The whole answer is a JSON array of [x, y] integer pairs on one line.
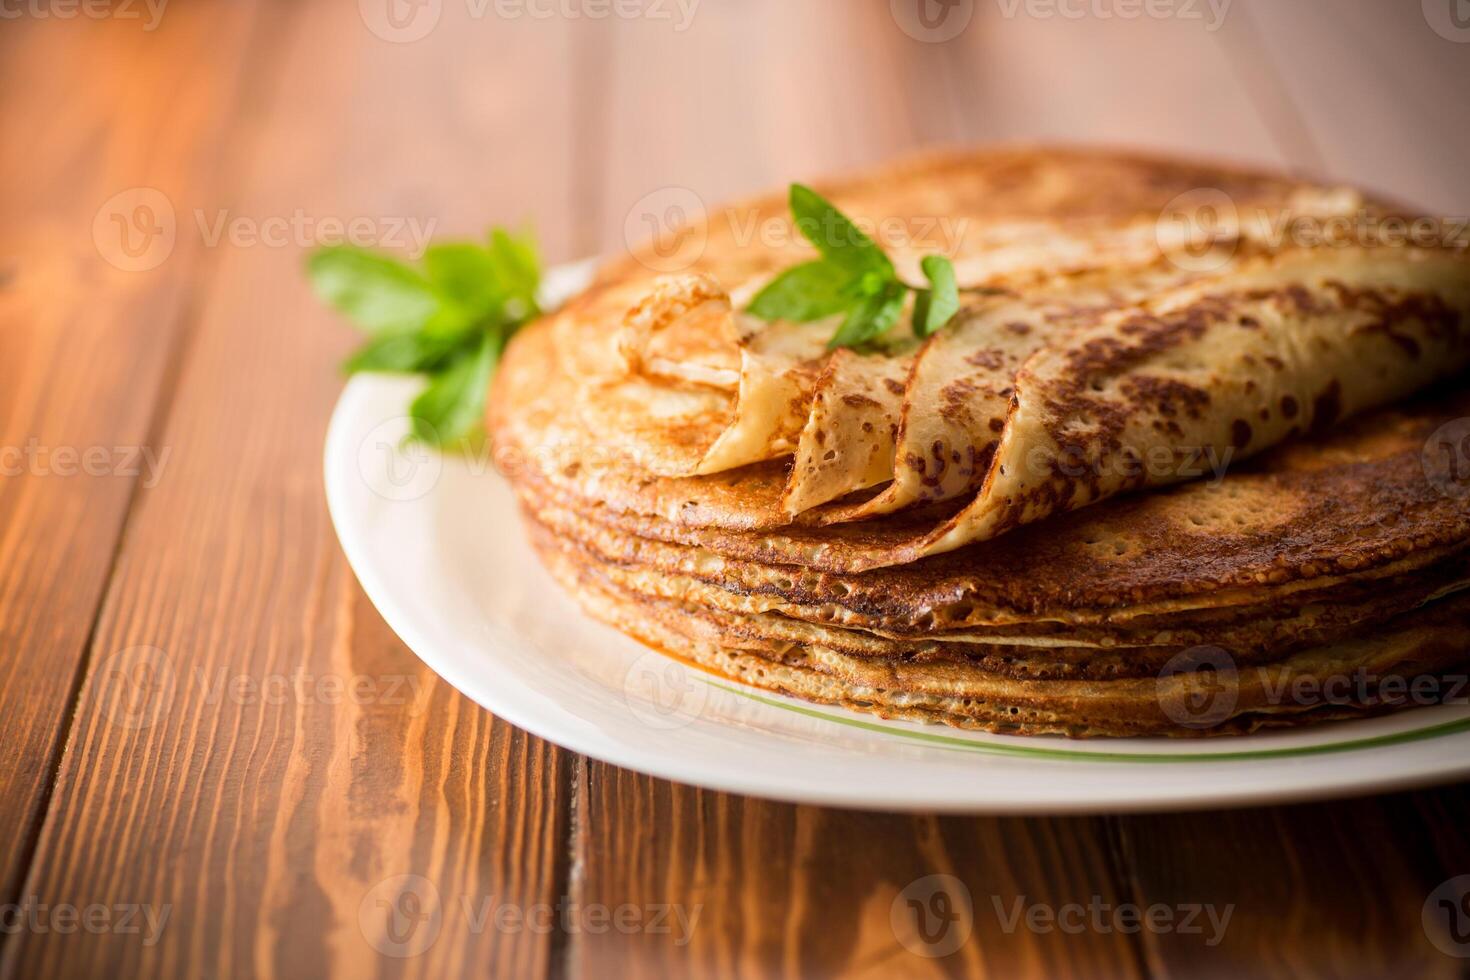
[[1047, 393], [1128, 442]]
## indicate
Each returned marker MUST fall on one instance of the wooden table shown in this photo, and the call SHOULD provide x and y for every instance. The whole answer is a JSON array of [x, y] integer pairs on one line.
[[179, 626]]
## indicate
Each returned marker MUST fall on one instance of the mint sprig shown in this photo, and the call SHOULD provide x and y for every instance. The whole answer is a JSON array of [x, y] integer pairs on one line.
[[854, 276], [449, 319]]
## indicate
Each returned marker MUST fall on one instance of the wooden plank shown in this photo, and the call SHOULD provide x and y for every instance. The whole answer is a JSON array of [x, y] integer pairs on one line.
[[273, 818], [715, 884], [722, 885], [87, 333], [1333, 889]]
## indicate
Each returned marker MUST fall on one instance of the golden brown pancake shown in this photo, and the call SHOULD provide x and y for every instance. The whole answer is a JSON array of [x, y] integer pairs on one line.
[[1374, 671], [1124, 447]]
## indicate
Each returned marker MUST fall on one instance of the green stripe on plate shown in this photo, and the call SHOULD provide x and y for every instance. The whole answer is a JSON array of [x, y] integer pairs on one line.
[[1033, 752]]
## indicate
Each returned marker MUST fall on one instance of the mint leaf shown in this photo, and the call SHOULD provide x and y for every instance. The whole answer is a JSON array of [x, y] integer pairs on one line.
[[465, 274], [834, 235], [376, 293], [804, 293], [449, 319], [854, 276], [517, 266], [871, 318], [451, 408], [399, 353], [936, 306]]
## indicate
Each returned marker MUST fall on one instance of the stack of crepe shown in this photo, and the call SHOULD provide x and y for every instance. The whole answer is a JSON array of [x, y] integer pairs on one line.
[[1147, 481]]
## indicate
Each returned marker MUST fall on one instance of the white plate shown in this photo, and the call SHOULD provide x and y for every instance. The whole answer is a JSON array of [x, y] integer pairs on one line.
[[438, 546]]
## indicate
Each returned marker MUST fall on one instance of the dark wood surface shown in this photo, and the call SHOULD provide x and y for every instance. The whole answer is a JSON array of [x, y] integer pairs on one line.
[[151, 616]]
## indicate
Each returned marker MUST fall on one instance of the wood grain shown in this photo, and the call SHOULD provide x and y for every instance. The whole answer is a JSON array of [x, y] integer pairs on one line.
[[85, 345], [777, 890], [1322, 890], [199, 709], [272, 816]]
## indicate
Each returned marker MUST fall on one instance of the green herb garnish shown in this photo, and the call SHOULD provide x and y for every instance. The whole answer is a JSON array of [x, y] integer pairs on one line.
[[448, 319], [853, 276]]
